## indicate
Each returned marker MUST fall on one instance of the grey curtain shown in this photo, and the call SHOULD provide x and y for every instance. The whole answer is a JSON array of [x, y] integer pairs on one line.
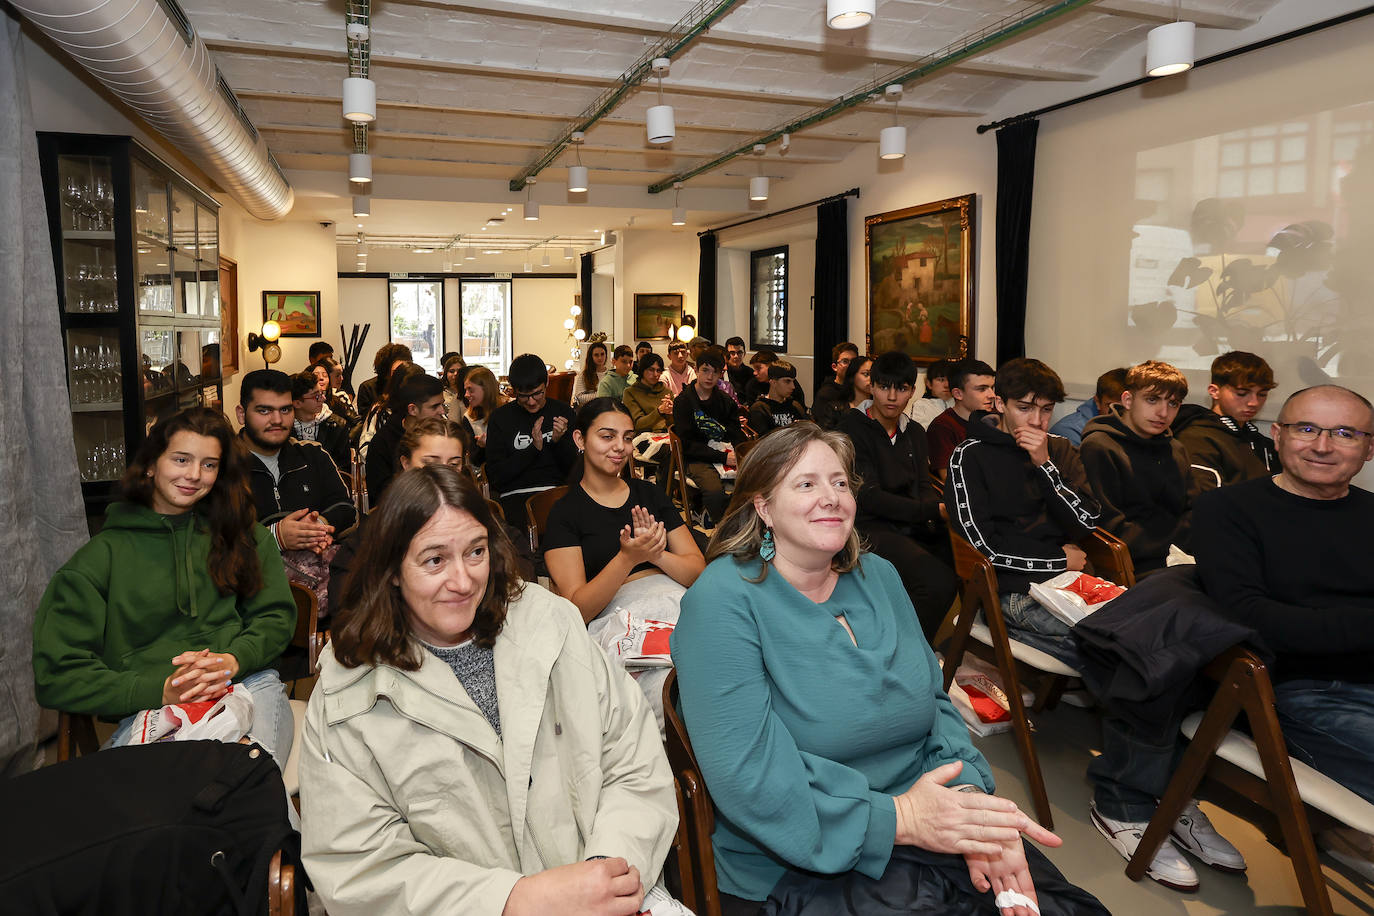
[[40, 491]]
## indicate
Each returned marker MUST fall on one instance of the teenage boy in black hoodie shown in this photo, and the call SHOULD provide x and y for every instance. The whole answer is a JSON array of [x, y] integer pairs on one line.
[[1138, 470], [777, 408], [1223, 443], [528, 445], [1021, 498], [703, 415], [830, 403], [898, 511]]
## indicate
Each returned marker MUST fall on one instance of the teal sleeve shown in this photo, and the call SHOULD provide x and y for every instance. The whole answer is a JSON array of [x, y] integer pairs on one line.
[[949, 739], [69, 672], [812, 813], [269, 616]]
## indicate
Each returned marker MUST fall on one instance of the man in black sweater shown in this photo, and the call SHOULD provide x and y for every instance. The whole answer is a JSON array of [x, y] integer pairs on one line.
[[1138, 470], [707, 421], [1019, 495], [898, 510], [777, 408], [1290, 557], [1223, 443], [387, 358], [528, 446]]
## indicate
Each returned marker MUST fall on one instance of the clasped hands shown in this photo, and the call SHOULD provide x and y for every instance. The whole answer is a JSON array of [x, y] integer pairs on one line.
[[199, 675], [984, 829], [644, 539], [305, 529]]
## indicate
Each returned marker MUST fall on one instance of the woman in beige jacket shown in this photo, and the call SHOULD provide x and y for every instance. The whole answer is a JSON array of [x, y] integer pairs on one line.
[[468, 749]]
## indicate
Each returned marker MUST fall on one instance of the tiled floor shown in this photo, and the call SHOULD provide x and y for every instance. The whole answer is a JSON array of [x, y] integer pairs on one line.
[[1065, 738]]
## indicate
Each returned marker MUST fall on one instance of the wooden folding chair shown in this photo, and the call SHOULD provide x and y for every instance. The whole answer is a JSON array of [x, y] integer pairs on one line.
[[537, 508], [281, 887], [1258, 768], [677, 476], [75, 735], [696, 862], [302, 655]]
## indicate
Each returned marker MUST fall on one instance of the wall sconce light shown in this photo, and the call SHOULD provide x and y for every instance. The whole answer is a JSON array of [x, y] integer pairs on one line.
[[267, 342]]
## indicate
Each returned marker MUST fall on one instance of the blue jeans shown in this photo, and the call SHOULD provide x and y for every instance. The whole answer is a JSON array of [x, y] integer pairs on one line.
[[1029, 622], [272, 726], [1329, 725]]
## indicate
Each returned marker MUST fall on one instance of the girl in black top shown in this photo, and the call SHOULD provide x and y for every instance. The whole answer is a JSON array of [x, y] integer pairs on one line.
[[609, 531]]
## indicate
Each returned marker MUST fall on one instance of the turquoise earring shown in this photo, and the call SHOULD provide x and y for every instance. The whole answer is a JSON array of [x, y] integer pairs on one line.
[[768, 550]]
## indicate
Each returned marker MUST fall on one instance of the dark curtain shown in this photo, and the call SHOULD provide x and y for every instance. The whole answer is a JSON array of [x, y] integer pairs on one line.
[[832, 277], [588, 268], [1015, 184], [706, 288]]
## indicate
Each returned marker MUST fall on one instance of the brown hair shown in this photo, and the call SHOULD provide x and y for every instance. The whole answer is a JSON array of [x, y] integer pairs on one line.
[[485, 379], [374, 628], [1240, 369], [432, 426], [1157, 376], [227, 509], [740, 533]]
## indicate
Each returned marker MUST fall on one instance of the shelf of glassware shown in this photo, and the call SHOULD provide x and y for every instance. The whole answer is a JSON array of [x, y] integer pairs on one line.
[[90, 281], [95, 385]]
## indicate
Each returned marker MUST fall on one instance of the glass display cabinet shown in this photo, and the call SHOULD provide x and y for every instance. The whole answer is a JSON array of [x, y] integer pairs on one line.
[[136, 249]]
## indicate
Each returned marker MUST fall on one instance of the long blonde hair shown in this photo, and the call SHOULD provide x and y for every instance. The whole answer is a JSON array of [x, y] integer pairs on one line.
[[740, 533], [491, 392]]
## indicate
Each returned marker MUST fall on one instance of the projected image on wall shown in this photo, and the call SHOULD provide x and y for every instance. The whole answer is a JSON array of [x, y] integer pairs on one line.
[[1261, 239]]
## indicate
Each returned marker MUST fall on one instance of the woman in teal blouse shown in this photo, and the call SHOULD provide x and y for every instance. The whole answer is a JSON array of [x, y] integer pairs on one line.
[[815, 708]]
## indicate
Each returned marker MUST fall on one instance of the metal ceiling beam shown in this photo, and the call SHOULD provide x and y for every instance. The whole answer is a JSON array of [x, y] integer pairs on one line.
[[697, 20], [969, 46]]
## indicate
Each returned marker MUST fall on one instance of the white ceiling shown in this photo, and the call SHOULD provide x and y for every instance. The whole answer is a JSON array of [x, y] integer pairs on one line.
[[472, 91]]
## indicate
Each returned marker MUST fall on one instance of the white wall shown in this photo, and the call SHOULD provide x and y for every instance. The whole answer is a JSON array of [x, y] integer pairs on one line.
[[655, 262], [540, 306]]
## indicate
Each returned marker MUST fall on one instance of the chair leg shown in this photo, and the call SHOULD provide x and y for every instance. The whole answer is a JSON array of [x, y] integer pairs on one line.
[[1048, 694], [1213, 728], [958, 641], [1020, 722]]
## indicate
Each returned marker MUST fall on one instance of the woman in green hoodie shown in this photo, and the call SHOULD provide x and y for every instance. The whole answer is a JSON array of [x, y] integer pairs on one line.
[[179, 595]]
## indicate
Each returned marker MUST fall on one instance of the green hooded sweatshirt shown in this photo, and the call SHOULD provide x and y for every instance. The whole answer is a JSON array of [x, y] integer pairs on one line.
[[642, 402], [138, 594]]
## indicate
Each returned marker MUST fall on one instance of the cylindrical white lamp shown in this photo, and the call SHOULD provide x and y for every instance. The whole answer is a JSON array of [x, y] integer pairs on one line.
[[660, 124], [469, 254], [758, 187], [577, 178], [544, 261], [360, 168], [679, 216], [362, 206], [569, 254], [1169, 48], [892, 142], [531, 210], [359, 99], [849, 14]]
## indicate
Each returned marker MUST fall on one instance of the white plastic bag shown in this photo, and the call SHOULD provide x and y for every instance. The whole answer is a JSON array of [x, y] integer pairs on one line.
[[226, 719], [1070, 606]]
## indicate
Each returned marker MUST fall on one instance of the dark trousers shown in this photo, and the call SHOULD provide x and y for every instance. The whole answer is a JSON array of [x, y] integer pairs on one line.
[[929, 581], [713, 497]]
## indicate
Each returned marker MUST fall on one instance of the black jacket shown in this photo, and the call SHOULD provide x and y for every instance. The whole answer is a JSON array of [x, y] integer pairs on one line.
[[1144, 485], [368, 394], [1223, 451], [513, 463], [1018, 515], [380, 465], [897, 492], [309, 480], [766, 415], [332, 434], [697, 422], [831, 404]]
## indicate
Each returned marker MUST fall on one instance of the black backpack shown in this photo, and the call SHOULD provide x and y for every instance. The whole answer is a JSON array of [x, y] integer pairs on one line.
[[178, 827]]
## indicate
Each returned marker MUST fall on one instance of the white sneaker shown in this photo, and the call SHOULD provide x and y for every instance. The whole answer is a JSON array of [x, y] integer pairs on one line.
[[1194, 833], [1169, 867]]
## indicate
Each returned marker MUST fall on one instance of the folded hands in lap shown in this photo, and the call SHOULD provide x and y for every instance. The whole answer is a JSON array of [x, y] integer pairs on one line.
[[597, 887], [199, 675], [984, 829]]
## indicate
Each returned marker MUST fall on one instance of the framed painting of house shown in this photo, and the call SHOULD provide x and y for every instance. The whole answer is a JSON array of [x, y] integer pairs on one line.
[[920, 280]]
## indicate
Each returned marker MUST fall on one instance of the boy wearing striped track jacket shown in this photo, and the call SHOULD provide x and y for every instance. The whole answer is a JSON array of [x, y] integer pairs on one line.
[[1020, 496]]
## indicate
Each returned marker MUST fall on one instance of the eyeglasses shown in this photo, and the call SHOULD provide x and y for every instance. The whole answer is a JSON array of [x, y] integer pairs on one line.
[[534, 395], [1343, 436]]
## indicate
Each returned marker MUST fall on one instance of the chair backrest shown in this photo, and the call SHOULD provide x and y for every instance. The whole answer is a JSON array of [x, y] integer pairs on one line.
[[698, 866], [307, 638], [1110, 557], [561, 386], [537, 508], [972, 568], [677, 475]]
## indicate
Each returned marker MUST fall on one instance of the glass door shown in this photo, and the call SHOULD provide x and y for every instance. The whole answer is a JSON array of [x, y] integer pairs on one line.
[[486, 320], [417, 316]]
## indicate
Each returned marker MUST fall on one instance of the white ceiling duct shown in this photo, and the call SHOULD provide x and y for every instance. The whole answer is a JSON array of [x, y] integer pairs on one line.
[[147, 54]]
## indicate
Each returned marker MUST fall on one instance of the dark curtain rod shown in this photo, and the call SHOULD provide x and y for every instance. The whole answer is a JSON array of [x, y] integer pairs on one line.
[[1224, 55], [852, 192]]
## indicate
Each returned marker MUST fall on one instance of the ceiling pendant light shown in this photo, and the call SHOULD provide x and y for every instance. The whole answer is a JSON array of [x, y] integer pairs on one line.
[[531, 206], [1169, 48], [577, 174], [659, 119], [360, 168], [679, 211], [544, 262], [569, 254], [362, 206], [469, 254], [359, 99], [758, 185], [849, 14], [892, 140]]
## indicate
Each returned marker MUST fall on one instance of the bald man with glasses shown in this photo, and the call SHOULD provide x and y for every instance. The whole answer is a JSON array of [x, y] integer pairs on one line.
[[1289, 555]]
